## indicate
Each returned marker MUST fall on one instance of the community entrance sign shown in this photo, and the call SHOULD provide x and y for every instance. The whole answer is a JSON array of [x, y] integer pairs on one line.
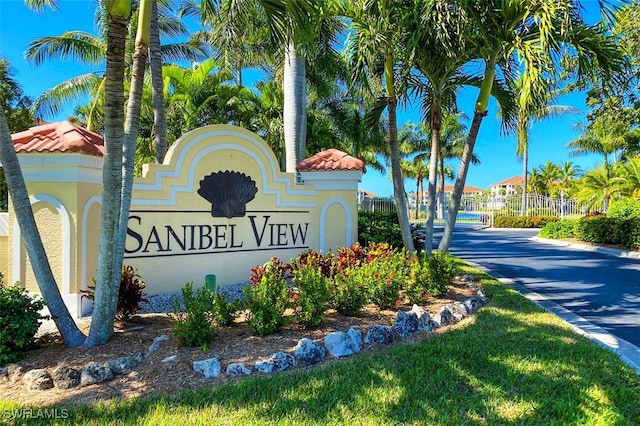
[[218, 204]]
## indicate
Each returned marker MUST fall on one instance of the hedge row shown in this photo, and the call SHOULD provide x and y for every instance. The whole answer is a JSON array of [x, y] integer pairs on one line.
[[597, 230], [522, 221]]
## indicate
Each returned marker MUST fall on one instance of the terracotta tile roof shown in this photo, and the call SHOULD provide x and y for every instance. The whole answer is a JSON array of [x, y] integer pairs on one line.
[[514, 180], [366, 193], [331, 159], [61, 136], [468, 189]]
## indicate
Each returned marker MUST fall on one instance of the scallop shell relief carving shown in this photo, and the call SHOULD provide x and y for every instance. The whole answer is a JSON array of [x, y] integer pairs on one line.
[[228, 192]]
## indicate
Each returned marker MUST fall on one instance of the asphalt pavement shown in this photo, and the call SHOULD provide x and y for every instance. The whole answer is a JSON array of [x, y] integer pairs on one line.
[[595, 290]]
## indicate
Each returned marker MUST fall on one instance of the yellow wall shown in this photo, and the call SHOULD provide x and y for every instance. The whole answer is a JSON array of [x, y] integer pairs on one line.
[[173, 237]]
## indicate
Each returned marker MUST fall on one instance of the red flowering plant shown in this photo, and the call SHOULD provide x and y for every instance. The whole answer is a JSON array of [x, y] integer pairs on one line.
[[387, 274], [350, 257], [326, 263]]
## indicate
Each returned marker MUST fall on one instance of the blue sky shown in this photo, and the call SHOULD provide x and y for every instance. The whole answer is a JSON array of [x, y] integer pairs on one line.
[[19, 26]]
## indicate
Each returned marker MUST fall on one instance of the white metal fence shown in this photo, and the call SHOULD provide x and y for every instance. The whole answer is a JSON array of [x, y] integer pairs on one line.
[[481, 210]]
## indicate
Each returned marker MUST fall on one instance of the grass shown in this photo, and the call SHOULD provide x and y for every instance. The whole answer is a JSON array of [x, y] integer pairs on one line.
[[512, 364]]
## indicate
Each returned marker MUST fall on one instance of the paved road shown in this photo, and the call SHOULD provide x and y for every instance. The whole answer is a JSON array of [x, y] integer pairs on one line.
[[601, 289]]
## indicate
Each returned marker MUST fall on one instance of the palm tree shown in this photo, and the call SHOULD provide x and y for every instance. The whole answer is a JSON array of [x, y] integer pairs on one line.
[[532, 32], [608, 135], [451, 147], [90, 49], [71, 335], [550, 173], [375, 46], [569, 174], [530, 110], [598, 186], [630, 173], [434, 42]]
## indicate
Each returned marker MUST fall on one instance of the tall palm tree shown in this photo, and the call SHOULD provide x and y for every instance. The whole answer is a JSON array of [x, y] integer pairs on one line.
[[531, 109], [451, 147], [533, 32], [49, 290], [90, 49], [376, 47], [440, 54]]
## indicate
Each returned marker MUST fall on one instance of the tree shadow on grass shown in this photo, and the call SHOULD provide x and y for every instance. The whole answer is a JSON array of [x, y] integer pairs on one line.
[[512, 364]]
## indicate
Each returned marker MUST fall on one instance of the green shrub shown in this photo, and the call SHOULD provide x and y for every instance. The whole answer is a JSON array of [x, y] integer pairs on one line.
[[625, 208], [224, 311], [595, 229], [314, 289], [560, 229], [522, 221], [193, 326], [415, 287], [379, 227], [268, 297], [429, 276], [349, 292], [130, 294], [19, 321], [386, 277]]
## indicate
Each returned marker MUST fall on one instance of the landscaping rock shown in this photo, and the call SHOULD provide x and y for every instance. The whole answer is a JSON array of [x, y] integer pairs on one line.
[[93, 373], [156, 344], [379, 334], [234, 370], [405, 323], [309, 352], [207, 367], [65, 377], [4, 376], [278, 361], [139, 356], [38, 379], [121, 366], [423, 317], [448, 315], [340, 343], [464, 309], [14, 372], [473, 303], [482, 296]]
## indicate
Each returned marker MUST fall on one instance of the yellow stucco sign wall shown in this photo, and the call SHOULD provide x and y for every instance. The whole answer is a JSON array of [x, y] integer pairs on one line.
[[217, 205]]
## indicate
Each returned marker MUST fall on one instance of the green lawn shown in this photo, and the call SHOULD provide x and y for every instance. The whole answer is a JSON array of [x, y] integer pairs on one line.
[[512, 364]]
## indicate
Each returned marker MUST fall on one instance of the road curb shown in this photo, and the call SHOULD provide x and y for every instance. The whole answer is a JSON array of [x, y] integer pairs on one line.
[[628, 353], [587, 247]]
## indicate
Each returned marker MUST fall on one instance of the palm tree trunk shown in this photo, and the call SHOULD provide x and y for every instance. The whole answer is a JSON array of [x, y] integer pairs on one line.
[[467, 153], [436, 124], [107, 276], [71, 335], [525, 175], [157, 86], [440, 194], [461, 178], [294, 109], [417, 197], [132, 123], [396, 175]]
